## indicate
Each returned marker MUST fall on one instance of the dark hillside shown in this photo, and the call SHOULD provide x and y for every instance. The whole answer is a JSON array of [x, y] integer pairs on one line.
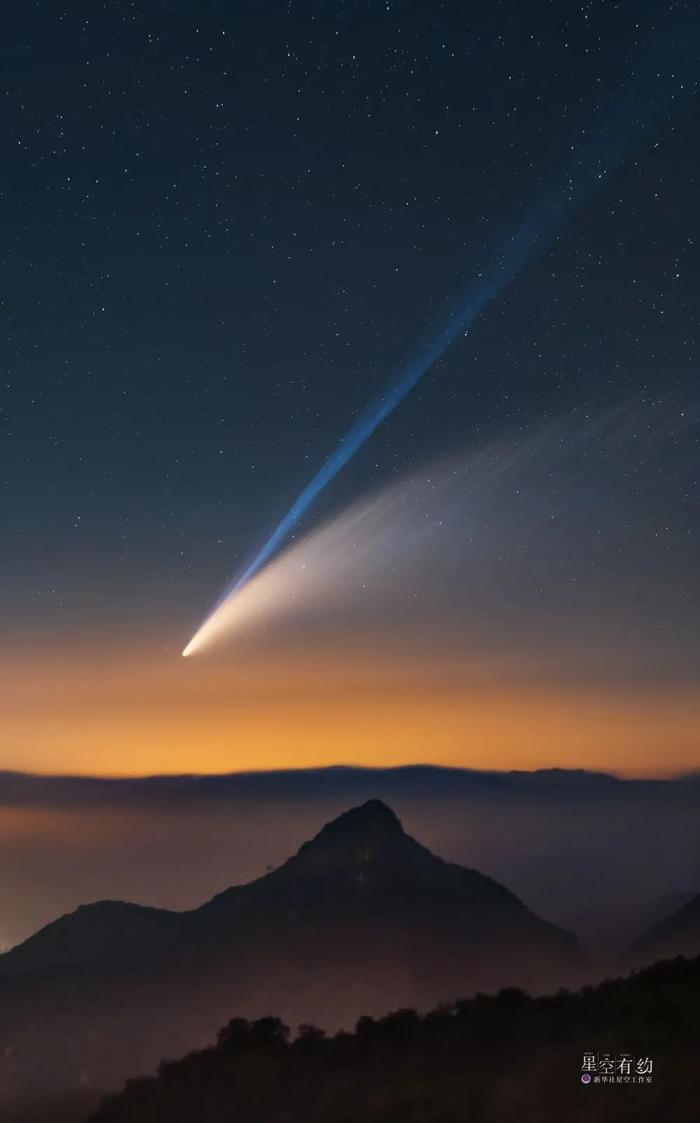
[[509, 1058]]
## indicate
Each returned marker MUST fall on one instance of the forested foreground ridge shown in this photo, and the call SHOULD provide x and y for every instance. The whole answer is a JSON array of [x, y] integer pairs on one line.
[[624, 1050]]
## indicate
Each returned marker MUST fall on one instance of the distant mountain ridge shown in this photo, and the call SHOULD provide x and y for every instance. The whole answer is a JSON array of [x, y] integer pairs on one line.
[[25, 788], [677, 934]]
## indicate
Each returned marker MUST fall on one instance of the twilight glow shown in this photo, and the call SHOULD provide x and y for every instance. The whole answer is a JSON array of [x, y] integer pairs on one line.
[[510, 607]]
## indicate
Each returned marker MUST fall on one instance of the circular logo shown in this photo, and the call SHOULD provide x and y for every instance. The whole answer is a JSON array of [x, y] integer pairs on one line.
[[586, 1078]]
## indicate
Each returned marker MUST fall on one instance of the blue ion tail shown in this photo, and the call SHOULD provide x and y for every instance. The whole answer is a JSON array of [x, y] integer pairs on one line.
[[644, 102]]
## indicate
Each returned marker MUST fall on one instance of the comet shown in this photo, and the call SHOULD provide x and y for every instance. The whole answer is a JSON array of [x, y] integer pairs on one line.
[[639, 108]]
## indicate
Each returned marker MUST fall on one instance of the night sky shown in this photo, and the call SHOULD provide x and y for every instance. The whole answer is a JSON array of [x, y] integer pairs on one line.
[[223, 227]]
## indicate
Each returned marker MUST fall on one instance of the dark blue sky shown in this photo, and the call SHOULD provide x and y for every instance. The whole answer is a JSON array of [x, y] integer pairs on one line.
[[223, 225]]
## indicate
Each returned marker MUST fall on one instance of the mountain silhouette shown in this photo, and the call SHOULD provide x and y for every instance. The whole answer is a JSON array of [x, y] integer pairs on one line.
[[361, 920], [360, 867], [88, 934], [364, 866], [677, 934]]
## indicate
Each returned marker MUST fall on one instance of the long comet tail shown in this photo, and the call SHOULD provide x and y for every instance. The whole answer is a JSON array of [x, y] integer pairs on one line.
[[640, 107]]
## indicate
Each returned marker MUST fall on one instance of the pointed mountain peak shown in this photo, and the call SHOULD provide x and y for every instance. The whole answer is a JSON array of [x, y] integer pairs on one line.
[[370, 818], [368, 833]]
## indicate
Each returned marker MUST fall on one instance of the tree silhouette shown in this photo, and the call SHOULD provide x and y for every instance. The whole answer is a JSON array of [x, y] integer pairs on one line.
[[506, 1058]]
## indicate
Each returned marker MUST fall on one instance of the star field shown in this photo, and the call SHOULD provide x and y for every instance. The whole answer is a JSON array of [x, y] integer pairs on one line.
[[224, 225]]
